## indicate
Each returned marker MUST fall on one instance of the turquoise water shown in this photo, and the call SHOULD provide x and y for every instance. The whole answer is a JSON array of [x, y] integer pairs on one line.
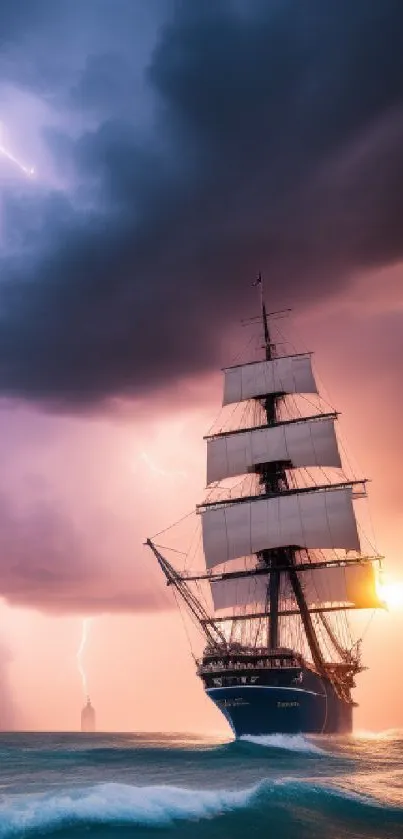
[[133, 785]]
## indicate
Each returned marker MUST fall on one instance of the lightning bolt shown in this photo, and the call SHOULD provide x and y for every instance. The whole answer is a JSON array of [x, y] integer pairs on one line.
[[80, 652], [27, 170], [157, 470]]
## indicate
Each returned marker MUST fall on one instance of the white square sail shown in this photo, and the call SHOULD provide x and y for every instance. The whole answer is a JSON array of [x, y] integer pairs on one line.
[[317, 519], [306, 443], [347, 584], [288, 374]]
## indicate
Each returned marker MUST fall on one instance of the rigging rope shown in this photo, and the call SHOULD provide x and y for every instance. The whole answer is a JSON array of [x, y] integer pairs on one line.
[[166, 548], [175, 523], [184, 625]]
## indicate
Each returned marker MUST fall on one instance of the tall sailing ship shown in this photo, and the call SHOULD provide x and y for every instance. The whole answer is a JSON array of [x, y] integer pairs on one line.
[[283, 560]]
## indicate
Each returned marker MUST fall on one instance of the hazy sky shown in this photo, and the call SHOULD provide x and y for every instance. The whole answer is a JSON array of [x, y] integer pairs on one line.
[[178, 148]]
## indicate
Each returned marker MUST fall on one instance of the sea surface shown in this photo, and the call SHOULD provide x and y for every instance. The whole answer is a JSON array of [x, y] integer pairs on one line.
[[136, 785]]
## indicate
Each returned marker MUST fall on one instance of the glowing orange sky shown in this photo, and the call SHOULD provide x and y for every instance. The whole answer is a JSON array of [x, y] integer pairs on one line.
[[140, 671]]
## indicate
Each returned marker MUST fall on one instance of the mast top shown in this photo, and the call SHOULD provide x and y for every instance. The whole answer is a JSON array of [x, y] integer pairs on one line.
[[267, 344], [265, 315]]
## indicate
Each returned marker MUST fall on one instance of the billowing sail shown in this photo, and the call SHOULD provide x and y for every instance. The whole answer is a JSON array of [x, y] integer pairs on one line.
[[239, 592], [306, 443], [289, 374], [348, 584], [321, 519]]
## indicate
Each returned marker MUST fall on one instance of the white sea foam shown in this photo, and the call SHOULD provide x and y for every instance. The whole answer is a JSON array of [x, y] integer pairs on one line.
[[289, 742], [116, 803]]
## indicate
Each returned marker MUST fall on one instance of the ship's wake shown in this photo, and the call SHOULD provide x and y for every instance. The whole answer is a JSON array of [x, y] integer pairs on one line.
[[288, 742]]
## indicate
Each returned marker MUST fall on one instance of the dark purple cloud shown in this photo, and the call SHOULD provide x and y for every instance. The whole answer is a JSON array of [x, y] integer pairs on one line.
[[210, 141]]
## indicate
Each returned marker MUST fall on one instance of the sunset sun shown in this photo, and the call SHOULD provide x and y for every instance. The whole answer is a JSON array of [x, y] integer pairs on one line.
[[392, 595]]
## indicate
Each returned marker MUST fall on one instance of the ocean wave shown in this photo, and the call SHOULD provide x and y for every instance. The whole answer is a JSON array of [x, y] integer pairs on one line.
[[121, 805], [289, 742]]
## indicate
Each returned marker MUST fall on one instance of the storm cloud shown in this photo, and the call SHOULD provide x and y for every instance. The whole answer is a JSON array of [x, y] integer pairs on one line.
[[50, 564], [195, 144], [78, 497]]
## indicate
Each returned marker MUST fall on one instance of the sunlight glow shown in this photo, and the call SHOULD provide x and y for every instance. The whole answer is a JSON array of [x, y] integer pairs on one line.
[[391, 594]]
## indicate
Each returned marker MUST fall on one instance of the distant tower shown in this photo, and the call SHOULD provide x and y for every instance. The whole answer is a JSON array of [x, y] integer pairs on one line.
[[88, 717]]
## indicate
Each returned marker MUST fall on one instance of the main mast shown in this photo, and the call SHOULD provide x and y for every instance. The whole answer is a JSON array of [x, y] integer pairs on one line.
[[274, 479]]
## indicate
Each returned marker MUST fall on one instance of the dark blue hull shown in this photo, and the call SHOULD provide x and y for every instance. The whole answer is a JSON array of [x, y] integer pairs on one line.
[[286, 710]]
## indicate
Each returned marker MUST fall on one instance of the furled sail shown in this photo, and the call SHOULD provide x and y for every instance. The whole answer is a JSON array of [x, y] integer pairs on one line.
[[288, 374], [347, 584], [321, 519], [306, 443]]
